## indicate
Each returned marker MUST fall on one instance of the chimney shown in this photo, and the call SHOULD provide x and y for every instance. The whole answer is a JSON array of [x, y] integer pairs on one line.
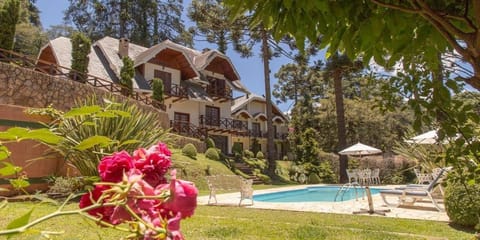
[[123, 47]]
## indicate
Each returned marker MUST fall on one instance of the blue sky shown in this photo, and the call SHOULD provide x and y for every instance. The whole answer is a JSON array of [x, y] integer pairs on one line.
[[250, 69]]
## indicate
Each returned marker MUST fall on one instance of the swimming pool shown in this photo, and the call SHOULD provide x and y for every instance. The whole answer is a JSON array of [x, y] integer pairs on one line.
[[312, 194]]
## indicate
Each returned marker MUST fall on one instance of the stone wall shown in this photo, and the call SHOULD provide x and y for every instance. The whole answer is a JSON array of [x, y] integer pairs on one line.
[[28, 88]]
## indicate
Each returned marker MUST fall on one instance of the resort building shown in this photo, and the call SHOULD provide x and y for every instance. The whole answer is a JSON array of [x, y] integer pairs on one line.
[[198, 87], [251, 110]]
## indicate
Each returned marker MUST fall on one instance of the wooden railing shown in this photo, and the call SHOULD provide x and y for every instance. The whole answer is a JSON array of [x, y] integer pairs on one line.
[[57, 70], [220, 92], [175, 90], [187, 129], [224, 123]]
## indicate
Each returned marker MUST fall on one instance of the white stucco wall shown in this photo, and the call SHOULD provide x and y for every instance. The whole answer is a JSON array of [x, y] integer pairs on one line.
[[149, 69]]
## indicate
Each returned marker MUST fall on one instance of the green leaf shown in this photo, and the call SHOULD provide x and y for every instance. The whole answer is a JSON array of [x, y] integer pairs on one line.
[[106, 114], [132, 141], [82, 111], [121, 113], [19, 183], [9, 169], [88, 123], [19, 222], [43, 135], [93, 141], [4, 153]]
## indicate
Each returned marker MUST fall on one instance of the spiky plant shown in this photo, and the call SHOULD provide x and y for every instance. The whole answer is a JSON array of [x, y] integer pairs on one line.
[[97, 128]]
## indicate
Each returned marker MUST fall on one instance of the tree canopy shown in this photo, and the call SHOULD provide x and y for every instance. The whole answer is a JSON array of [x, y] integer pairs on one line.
[[385, 30]]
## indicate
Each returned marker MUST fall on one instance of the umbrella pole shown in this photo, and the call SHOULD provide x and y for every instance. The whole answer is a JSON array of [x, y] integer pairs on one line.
[[370, 209]]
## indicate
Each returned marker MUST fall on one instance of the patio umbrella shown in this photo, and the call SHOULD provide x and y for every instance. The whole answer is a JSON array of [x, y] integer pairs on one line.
[[429, 137], [360, 149]]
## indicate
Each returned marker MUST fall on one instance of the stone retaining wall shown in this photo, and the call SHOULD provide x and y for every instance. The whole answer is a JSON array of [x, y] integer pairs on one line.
[[28, 88]]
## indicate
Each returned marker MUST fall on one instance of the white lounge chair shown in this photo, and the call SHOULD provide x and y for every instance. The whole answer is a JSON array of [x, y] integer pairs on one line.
[[422, 178], [414, 193]]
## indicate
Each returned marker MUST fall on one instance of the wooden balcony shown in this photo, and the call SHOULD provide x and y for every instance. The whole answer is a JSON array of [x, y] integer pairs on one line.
[[175, 91], [52, 69], [223, 125], [222, 94], [187, 129]]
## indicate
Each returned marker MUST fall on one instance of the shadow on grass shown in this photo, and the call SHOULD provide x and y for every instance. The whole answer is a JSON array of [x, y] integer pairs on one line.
[[462, 228]]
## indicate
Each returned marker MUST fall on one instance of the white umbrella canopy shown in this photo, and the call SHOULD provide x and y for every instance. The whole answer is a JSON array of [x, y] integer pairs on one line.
[[360, 149], [429, 137]]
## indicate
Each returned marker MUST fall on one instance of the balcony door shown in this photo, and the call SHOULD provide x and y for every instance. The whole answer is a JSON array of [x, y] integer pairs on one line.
[[166, 78], [212, 116], [256, 132], [181, 122]]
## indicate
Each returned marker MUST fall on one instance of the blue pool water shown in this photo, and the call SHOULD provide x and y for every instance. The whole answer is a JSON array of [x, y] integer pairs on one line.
[[312, 194]]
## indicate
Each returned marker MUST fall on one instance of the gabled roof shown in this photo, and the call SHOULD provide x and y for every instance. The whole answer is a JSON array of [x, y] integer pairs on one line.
[[62, 51], [188, 69], [240, 102]]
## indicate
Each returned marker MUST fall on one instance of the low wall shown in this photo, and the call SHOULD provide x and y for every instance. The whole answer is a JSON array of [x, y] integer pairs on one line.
[[28, 88], [37, 160], [21, 88]]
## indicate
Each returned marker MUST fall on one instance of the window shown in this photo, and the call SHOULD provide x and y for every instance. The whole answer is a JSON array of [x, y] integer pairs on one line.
[[256, 132], [181, 122], [166, 78], [212, 116]]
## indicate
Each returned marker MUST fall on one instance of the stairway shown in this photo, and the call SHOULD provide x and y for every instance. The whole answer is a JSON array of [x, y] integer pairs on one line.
[[245, 168]]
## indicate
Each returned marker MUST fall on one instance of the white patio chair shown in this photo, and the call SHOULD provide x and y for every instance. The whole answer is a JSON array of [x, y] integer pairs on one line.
[[375, 177], [423, 178], [352, 174]]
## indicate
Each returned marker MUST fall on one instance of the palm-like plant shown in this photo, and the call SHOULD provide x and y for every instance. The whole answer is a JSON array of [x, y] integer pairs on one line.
[[99, 128]]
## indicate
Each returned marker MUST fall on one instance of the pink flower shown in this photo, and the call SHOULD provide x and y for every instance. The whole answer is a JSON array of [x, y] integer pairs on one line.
[[86, 201], [112, 168], [183, 196], [154, 163], [139, 205]]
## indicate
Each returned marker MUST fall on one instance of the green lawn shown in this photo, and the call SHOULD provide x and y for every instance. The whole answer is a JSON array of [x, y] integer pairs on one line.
[[211, 222]]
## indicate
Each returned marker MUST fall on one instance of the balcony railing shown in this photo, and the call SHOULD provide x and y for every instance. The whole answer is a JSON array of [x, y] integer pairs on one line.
[[174, 90], [57, 70], [187, 129], [213, 91], [224, 123]]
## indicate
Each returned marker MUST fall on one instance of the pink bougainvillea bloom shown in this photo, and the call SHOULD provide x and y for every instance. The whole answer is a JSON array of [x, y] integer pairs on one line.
[[154, 163], [183, 196], [86, 200], [112, 168]]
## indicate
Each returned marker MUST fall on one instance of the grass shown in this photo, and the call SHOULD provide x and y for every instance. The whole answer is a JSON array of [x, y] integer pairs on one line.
[[212, 222]]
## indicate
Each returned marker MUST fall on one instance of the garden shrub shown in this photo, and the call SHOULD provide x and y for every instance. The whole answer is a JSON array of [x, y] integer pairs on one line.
[[64, 186], [127, 72], [256, 147], [124, 123], [210, 143], [158, 89], [80, 50], [212, 153], [237, 149], [313, 178], [265, 179], [247, 153], [238, 172], [325, 173], [462, 204], [190, 151], [260, 155]]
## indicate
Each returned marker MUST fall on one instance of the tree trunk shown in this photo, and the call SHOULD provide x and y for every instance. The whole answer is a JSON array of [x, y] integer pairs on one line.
[[341, 132], [268, 97]]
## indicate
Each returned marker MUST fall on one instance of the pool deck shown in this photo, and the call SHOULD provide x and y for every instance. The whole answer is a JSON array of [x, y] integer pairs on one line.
[[420, 210]]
